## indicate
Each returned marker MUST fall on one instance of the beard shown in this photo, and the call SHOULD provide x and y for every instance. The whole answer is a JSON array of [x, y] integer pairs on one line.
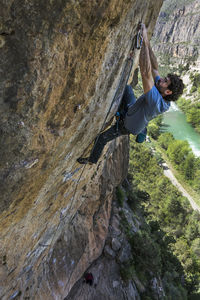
[[158, 85]]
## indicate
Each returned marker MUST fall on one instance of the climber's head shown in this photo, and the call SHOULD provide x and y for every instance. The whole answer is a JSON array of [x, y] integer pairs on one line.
[[170, 87]]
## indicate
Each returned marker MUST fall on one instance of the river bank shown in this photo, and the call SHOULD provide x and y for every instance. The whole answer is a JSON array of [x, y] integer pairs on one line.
[[168, 173], [176, 178], [174, 121]]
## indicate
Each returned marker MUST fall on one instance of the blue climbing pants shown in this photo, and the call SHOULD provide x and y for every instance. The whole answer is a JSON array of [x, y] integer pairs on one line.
[[112, 133], [116, 130]]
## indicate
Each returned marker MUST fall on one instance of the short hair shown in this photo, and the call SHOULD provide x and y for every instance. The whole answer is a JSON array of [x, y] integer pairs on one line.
[[176, 86]]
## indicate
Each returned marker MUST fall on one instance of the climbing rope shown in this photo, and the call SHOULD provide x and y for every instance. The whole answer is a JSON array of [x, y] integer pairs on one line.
[[123, 82], [129, 60], [137, 43]]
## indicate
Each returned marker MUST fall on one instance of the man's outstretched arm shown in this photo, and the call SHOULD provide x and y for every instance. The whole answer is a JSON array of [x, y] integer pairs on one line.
[[154, 63], [153, 59], [145, 63]]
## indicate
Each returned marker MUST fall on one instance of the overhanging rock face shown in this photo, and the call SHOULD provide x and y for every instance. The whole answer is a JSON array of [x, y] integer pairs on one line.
[[61, 63], [178, 38]]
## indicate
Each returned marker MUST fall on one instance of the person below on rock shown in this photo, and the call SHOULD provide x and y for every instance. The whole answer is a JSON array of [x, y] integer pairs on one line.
[[158, 92], [88, 278]]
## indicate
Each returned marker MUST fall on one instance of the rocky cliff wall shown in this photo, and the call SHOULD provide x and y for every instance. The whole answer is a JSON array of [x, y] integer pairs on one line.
[[61, 63], [177, 35]]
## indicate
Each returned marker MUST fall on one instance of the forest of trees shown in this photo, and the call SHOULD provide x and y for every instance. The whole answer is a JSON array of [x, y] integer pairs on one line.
[[168, 243], [180, 154]]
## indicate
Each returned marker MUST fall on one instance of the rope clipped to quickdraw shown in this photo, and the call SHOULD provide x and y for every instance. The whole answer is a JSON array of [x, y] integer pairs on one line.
[[137, 43]]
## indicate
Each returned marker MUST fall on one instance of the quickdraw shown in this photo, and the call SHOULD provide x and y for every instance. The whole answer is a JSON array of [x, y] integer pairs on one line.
[[139, 38]]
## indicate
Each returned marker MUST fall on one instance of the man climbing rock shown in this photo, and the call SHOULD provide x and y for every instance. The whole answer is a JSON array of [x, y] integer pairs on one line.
[[158, 92]]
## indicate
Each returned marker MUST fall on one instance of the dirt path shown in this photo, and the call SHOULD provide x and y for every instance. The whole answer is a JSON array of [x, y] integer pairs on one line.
[[170, 175]]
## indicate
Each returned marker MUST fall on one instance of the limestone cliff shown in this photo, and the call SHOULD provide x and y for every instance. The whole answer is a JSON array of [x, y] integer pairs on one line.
[[61, 63], [177, 31]]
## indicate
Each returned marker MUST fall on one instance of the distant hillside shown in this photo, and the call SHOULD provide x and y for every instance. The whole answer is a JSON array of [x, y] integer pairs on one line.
[[177, 33], [169, 6], [176, 42]]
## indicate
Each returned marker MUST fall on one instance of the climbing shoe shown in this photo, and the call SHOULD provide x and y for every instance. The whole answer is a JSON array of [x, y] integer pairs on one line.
[[84, 160], [141, 137]]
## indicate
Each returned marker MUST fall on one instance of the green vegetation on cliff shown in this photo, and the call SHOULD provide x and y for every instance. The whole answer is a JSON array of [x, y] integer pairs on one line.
[[170, 6], [192, 112]]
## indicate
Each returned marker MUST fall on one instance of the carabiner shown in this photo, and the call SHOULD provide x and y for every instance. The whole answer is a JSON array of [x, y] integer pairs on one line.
[[139, 38]]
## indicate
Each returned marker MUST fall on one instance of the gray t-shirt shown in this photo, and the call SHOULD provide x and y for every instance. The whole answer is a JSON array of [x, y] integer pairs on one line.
[[146, 108]]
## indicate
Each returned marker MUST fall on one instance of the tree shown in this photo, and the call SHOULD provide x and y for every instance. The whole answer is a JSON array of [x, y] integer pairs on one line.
[[196, 247], [165, 139], [178, 151], [193, 229], [154, 127], [196, 181], [193, 115], [189, 167]]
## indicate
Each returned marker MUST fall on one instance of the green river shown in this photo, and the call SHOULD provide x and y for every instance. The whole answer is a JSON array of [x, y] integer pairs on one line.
[[174, 121]]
